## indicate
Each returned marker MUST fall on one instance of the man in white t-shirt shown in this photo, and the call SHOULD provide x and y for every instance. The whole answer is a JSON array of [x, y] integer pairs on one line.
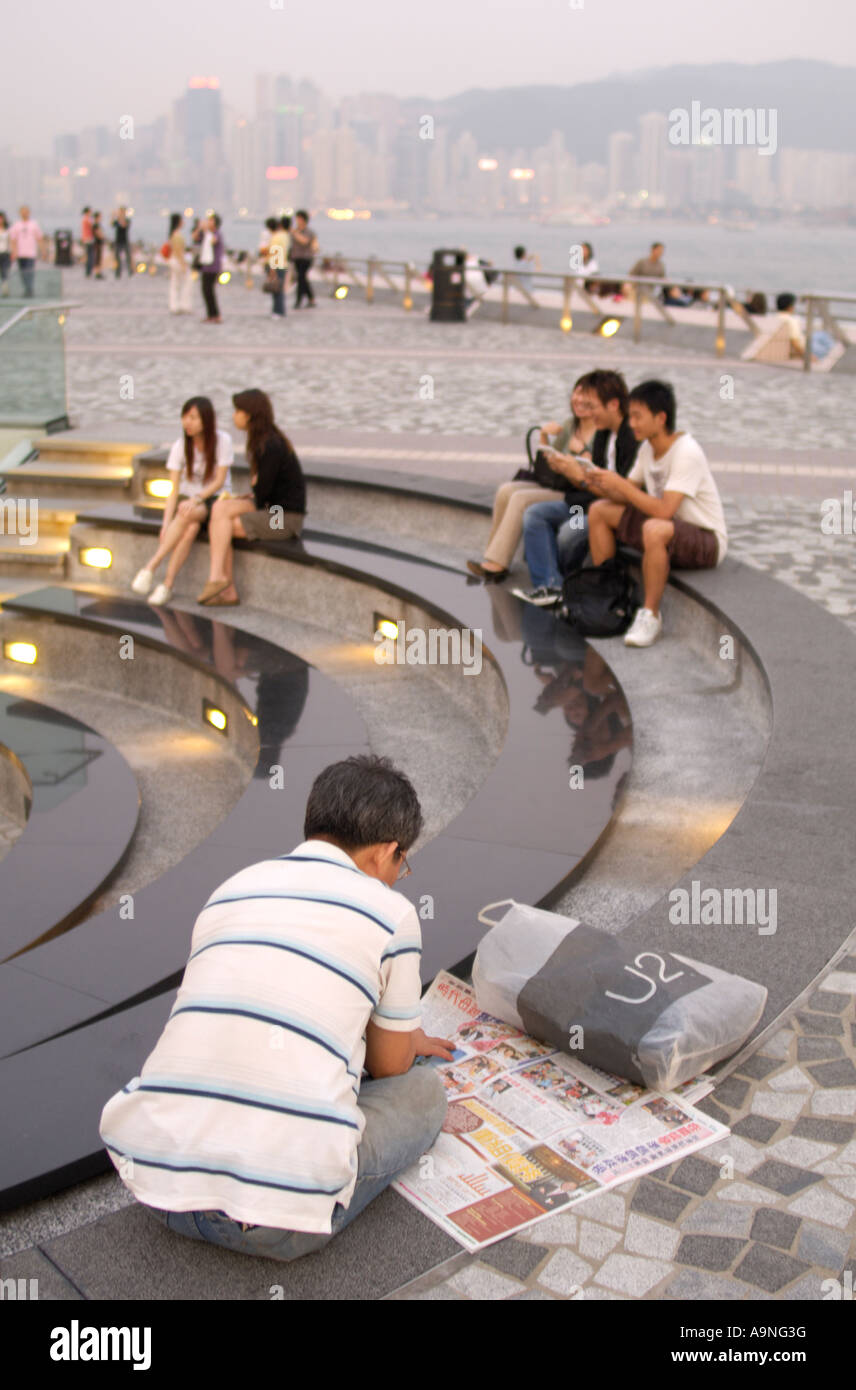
[[249, 1125], [668, 506]]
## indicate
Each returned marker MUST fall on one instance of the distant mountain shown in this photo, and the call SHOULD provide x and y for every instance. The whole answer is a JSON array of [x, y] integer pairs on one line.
[[816, 105]]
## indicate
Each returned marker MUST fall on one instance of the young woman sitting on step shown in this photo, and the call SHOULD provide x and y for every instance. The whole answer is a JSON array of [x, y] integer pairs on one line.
[[275, 508], [199, 463]]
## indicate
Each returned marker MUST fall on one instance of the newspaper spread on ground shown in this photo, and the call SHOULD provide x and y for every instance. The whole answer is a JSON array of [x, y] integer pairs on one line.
[[530, 1130]]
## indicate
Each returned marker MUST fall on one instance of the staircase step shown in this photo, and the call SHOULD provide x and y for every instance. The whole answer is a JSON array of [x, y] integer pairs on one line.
[[48, 553], [59, 450]]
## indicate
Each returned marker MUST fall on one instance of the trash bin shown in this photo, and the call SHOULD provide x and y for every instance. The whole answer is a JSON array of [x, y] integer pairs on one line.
[[448, 274], [62, 246]]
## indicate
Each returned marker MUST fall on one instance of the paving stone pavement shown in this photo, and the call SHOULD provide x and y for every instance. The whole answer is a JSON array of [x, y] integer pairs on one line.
[[347, 366], [766, 1213]]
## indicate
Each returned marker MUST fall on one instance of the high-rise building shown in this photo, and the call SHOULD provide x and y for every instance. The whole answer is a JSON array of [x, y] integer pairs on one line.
[[203, 121], [653, 145], [621, 162]]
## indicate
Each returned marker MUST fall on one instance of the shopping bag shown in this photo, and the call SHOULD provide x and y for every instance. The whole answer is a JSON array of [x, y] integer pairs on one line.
[[649, 1015]]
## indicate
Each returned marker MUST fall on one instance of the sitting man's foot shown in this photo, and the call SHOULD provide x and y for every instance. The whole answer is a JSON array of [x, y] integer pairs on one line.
[[645, 630], [226, 598], [542, 597], [142, 582]]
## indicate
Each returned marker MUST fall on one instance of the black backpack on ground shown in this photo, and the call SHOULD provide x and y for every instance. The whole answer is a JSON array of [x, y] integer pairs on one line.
[[600, 601]]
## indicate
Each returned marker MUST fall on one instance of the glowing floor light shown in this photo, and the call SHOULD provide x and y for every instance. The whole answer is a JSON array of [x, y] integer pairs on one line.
[[387, 627], [158, 487], [607, 328], [214, 716], [25, 652], [96, 556]]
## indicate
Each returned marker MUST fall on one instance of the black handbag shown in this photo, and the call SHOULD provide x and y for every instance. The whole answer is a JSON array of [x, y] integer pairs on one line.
[[539, 470], [600, 601]]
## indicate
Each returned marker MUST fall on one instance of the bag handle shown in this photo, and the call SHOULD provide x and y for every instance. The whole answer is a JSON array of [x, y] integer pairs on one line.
[[503, 902], [534, 429]]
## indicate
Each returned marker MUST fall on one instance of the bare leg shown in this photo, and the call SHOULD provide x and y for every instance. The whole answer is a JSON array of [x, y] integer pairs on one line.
[[656, 535], [171, 537], [603, 518], [229, 561], [180, 553], [220, 533]]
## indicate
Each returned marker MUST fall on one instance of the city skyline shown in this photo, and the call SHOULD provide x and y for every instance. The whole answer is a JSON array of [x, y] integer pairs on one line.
[[296, 145]]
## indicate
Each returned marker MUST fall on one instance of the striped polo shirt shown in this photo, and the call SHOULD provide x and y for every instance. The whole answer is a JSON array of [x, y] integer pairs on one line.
[[248, 1103]]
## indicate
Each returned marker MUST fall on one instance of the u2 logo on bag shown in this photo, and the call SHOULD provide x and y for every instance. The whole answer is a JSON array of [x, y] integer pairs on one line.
[[662, 978]]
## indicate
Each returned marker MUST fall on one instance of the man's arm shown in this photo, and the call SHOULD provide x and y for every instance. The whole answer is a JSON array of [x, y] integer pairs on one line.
[[618, 489], [391, 1053]]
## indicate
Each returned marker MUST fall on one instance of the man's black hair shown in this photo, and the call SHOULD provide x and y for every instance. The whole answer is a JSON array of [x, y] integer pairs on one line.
[[659, 397], [607, 386], [362, 801], [785, 301], [519, 252], [272, 224]]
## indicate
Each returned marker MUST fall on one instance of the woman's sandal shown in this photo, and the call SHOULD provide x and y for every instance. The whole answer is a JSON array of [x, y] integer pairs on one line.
[[212, 588]]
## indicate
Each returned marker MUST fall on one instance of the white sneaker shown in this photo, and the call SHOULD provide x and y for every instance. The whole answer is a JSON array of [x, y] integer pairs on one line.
[[645, 630], [142, 582], [162, 594]]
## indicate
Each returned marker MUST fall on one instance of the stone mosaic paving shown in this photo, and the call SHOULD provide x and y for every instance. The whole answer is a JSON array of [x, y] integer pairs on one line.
[[348, 366], [766, 1213]]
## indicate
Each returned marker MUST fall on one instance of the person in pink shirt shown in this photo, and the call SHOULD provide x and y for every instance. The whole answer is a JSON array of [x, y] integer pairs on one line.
[[87, 237], [27, 238]]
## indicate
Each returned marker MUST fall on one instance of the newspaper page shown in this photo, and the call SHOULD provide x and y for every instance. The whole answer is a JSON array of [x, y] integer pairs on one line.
[[530, 1130]]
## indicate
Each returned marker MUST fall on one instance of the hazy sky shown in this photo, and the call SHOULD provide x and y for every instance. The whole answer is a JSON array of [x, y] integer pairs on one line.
[[87, 62]]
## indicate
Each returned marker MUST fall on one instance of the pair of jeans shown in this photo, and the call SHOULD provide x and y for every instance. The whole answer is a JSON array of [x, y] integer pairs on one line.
[[120, 249], [540, 526], [278, 295], [404, 1115], [5, 261], [304, 289], [27, 267], [89, 248], [209, 293], [572, 545]]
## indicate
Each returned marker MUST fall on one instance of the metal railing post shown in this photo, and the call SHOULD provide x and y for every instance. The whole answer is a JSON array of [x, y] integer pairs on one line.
[[370, 281], [567, 291], [809, 324], [408, 300], [637, 315], [505, 296], [720, 325]]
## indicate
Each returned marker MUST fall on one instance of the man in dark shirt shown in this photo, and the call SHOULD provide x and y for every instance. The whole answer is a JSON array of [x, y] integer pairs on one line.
[[555, 534], [122, 241]]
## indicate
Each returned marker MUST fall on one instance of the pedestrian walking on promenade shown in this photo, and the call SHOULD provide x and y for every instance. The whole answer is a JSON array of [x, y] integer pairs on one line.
[[210, 265], [122, 241], [26, 241], [179, 270], [304, 248], [5, 254], [87, 240], [98, 253]]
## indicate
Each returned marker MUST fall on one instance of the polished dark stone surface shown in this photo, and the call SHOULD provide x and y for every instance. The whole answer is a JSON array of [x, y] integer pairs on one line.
[[522, 834], [82, 818]]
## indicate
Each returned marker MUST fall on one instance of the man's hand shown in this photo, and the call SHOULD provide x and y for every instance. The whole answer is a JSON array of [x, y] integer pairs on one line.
[[605, 484], [424, 1046]]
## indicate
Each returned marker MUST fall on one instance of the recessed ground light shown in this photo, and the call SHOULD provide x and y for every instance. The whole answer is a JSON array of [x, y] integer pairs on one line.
[[566, 323], [97, 557], [158, 487], [388, 627], [607, 328], [214, 716], [341, 292], [25, 652]]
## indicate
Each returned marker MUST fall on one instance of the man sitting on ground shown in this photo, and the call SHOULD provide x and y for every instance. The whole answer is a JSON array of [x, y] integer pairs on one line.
[[651, 265], [555, 534], [668, 506], [785, 305], [248, 1125]]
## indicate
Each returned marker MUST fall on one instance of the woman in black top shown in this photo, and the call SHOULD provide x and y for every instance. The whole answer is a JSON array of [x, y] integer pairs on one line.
[[275, 508]]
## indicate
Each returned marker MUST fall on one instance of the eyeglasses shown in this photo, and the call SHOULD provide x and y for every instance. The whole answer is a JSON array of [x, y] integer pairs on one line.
[[405, 869]]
